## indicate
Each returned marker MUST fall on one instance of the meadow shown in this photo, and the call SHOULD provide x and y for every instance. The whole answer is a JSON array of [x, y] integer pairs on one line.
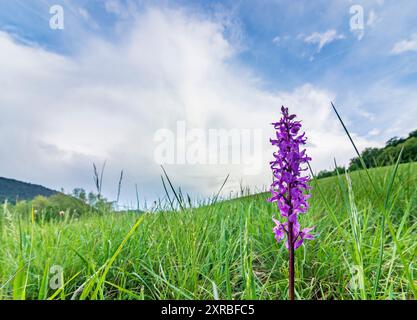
[[366, 247]]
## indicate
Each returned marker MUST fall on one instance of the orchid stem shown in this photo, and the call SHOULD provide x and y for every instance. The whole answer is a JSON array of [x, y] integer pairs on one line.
[[291, 263]]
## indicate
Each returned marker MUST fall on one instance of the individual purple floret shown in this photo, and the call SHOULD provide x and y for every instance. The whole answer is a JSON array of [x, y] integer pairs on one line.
[[289, 185], [281, 230]]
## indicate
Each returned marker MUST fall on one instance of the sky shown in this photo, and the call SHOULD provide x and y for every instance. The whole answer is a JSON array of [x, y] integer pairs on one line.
[[137, 84]]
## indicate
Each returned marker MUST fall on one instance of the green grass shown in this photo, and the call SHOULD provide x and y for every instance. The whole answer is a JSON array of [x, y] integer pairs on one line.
[[366, 248]]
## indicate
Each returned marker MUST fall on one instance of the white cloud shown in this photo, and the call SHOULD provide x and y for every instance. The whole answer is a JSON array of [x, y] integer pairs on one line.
[[324, 38], [61, 113], [84, 14], [374, 132], [372, 18], [405, 45], [117, 8], [113, 6], [280, 39]]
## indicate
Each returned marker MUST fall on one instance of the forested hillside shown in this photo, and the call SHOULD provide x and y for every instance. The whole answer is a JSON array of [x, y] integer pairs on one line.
[[13, 190], [379, 157]]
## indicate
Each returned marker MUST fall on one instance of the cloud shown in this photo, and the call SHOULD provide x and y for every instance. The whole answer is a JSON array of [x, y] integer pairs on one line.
[[113, 6], [276, 40], [324, 38], [405, 45], [85, 15], [374, 132], [61, 113], [372, 18]]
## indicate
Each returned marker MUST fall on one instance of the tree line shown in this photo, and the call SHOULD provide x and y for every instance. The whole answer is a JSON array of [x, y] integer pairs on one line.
[[379, 157]]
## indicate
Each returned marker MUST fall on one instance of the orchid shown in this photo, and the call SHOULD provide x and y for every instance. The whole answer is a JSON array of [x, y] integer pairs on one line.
[[289, 185]]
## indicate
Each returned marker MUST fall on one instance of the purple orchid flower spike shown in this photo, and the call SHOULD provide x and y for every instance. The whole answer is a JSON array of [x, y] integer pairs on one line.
[[289, 186]]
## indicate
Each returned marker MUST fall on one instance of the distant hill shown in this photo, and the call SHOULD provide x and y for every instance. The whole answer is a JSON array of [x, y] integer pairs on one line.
[[13, 190], [380, 157]]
